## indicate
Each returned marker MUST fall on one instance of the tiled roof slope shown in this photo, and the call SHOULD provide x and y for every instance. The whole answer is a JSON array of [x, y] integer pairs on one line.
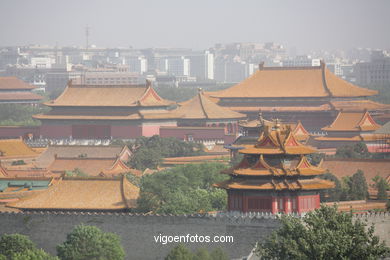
[[84, 194], [109, 96], [278, 140], [370, 167], [47, 157], [89, 166], [13, 83], [353, 121], [200, 107], [270, 82], [385, 129], [15, 148]]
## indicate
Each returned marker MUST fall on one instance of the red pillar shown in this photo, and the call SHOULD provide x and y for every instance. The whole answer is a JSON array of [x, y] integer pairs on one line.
[[298, 205], [286, 204], [274, 205]]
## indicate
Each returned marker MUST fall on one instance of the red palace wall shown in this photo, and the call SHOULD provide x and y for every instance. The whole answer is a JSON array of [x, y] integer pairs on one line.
[[19, 131], [56, 131], [126, 131], [150, 129]]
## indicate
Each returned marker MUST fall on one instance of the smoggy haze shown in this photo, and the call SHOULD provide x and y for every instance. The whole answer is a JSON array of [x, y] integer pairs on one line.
[[305, 24]]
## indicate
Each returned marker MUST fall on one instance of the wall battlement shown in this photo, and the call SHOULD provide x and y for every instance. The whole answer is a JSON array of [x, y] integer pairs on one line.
[[138, 231]]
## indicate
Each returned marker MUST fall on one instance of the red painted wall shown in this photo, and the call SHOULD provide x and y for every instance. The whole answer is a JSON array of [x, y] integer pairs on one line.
[[56, 131], [19, 131], [126, 131]]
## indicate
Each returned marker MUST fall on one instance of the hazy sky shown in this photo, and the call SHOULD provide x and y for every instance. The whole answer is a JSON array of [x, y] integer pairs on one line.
[[197, 24]]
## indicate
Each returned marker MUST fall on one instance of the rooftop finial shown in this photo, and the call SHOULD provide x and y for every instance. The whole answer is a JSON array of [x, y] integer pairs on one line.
[[277, 124], [261, 65], [260, 117]]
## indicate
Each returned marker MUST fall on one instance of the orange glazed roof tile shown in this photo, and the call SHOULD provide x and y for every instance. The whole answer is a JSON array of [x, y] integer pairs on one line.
[[19, 96], [276, 140], [68, 151], [353, 121], [370, 167], [270, 82], [89, 166], [359, 105], [200, 107], [111, 96], [15, 148], [262, 168], [258, 184], [13, 83], [83, 194]]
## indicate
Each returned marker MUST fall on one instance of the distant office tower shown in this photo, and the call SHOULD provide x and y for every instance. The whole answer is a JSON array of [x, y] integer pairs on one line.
[[178, 66], [377, 71], [301, 61], [202, 66], [137, 64]]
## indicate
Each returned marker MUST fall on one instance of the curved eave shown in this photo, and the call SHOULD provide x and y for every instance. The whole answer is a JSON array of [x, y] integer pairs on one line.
[[300, 150], [55, 117]]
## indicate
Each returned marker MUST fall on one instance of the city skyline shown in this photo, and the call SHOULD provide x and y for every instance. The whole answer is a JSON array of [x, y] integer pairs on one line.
[[146, 24]]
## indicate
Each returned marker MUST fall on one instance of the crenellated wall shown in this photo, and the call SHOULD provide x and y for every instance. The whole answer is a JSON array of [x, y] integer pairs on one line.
[[137, 231]]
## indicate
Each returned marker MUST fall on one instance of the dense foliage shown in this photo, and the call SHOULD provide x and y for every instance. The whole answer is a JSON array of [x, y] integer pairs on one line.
[[183, 189], [181, 252], [20, 247], [334, 194], [358, 150], [20, 114], [382, 186], [349, 188], [322, 234], [149, 152], [184, 93], [89, 242]]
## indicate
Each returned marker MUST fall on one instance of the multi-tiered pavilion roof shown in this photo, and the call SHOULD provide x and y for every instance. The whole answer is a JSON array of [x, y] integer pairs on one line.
[[275, 170]]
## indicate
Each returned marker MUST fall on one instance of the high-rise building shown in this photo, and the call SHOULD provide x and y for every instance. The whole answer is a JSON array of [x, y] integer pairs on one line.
[[202, 66], [377, 71]]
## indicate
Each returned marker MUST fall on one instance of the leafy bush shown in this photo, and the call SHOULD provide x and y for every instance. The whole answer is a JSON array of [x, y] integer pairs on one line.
[[89, 242], [183, 189], [322, 234]]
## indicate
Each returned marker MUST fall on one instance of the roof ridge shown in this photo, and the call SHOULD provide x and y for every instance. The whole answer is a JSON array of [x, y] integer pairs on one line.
[[324, 83], [201, 103]]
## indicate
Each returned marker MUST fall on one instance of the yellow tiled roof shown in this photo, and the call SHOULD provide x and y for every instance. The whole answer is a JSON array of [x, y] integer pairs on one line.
[[83, 194], [200, 107], [111, 96], [15, 148], [258, 184], [353, 121], [270, 82]]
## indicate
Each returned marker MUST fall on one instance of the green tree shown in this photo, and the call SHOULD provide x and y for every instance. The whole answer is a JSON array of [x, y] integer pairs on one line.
[[150, 151], [179, 252], [358, 186], [382, 189], [334, 194], [201, 254], [322, 234], [218, 254], [20, 247], [358, 150], [89, 242], [382, 186], [36, 254], [77, 172], [183, 189]]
